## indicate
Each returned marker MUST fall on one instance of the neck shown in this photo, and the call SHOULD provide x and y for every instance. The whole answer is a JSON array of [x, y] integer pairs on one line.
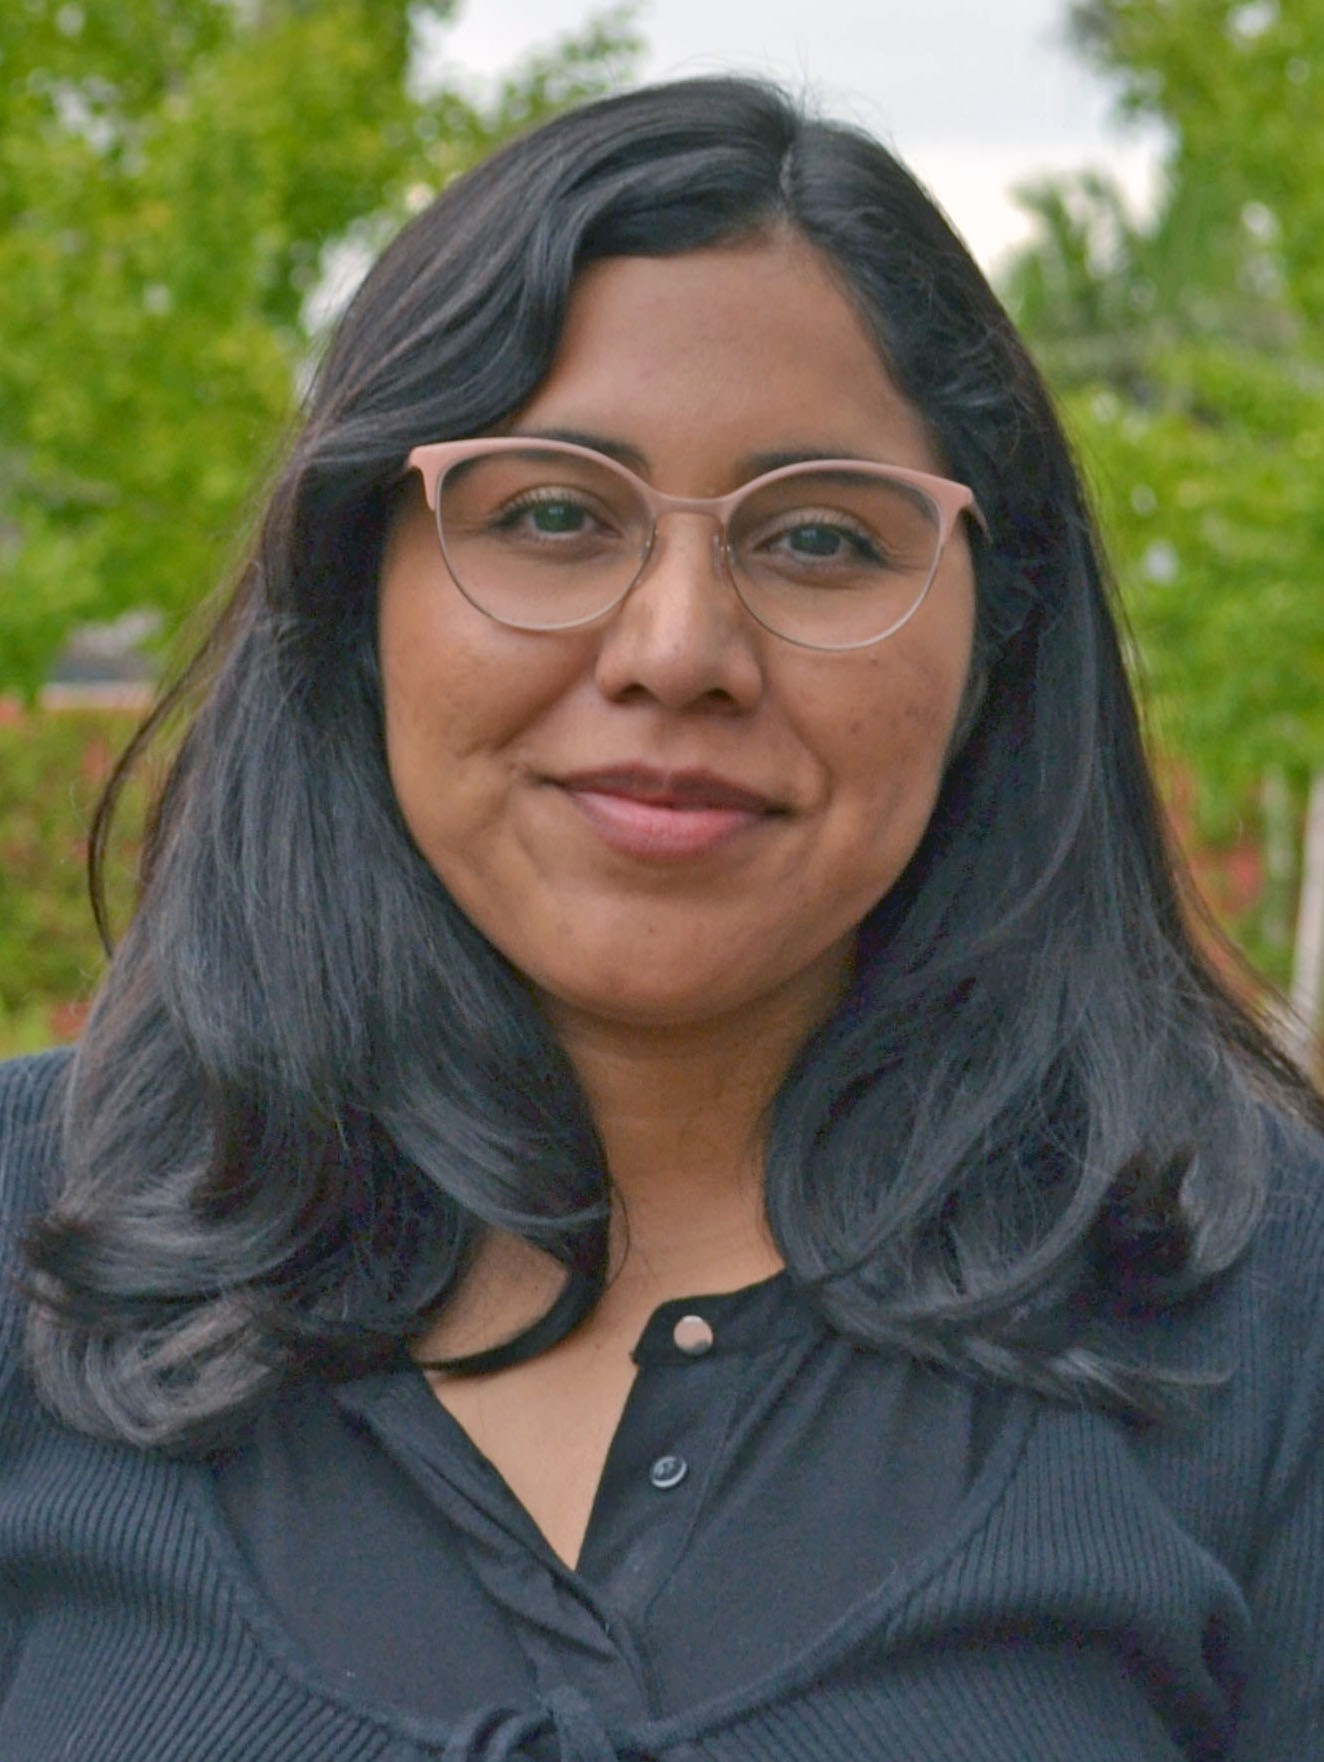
[[682, 1112], [682, 1115]]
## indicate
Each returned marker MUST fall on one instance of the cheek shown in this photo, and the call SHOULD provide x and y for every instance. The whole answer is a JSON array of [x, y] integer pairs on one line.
[[889, 734], [438, 714], [462, 696]]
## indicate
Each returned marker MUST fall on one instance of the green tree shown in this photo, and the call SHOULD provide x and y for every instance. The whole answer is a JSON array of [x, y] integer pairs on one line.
[[1240, 83], [175, 176], [1186, 352]]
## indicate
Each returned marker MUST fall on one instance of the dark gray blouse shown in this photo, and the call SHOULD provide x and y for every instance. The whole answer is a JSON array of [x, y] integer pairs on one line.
[[859, 1561], [765, 1477]]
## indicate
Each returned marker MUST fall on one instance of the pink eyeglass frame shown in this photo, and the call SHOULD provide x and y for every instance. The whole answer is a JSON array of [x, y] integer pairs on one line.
[[435, 458]]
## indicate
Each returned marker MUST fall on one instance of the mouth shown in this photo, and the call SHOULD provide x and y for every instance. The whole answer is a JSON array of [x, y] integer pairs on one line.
[[643, 812]]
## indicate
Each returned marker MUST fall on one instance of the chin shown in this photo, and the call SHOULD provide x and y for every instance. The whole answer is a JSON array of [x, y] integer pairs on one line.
[[680, 994], [663, 1005]]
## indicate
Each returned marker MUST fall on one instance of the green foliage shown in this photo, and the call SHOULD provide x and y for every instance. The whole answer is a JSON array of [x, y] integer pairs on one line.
[[1209, 493], [1241, 85], [1187, 357], [52, 767], [173, 177]]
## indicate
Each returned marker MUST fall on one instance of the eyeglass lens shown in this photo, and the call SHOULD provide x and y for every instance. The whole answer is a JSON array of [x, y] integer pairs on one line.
[[544, 538]]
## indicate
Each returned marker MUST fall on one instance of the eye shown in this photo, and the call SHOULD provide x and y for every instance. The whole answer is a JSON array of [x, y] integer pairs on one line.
[[818, 538], [551, 513], [558, 517], [822, 538]]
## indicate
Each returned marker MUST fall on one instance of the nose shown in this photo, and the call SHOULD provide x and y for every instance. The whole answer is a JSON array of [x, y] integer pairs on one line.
[[681, 635]]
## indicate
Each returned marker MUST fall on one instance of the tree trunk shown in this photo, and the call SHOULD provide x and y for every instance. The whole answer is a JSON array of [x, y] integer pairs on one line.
[[1279, 859], [1308, 955]]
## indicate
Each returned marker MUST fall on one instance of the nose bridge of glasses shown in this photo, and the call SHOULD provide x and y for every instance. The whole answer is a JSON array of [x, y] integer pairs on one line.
[[693, 509], [714, 508]]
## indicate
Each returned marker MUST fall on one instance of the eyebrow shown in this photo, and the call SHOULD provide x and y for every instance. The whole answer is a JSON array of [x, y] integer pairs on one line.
[[753, 465]]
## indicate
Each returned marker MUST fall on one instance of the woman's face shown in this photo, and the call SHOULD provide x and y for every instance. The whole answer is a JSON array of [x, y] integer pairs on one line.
[[674, 814]]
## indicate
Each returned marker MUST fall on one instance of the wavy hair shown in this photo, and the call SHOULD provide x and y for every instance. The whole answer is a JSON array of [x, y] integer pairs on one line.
[[309, 1084]]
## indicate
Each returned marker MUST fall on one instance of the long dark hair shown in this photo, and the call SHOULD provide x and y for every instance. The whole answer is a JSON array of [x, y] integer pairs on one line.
[[309, 1084]]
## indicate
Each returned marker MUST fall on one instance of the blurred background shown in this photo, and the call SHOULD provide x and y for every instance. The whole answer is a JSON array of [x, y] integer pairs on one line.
[[189, 190]]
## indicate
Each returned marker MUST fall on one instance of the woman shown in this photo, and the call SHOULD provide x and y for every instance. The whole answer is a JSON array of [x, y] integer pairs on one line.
[[658, 1174]]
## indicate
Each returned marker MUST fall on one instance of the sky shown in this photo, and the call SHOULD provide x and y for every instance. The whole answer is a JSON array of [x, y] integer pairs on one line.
[[976, 95]]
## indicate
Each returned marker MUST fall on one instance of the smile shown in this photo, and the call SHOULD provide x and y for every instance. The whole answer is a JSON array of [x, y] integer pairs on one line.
[[654, 814]]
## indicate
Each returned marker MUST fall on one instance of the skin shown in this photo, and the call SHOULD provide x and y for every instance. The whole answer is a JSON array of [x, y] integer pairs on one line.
[[680, 988]]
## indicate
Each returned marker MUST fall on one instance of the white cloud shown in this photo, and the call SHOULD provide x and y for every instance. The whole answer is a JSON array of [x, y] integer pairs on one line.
[[976, 97]]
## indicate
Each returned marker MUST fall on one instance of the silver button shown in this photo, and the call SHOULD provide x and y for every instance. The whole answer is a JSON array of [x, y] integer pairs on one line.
[[668, 1472], [693, 1335]]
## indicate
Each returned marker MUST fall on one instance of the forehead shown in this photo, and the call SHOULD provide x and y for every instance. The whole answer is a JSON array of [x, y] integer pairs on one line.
[[739, 348]]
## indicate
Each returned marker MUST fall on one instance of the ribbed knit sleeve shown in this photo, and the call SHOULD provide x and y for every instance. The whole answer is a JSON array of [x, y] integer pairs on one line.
[[29, 1131], [29, 1137], [1283, 1712]]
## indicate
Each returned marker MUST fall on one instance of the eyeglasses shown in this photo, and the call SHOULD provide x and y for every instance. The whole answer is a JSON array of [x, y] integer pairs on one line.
[[830, 554]]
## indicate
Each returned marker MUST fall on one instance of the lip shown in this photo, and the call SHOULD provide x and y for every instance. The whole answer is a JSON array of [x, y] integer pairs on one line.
[[644, 812]]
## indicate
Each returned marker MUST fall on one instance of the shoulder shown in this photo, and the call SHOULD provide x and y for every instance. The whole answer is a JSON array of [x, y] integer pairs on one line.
[[1281, 1284], [1268, 1306], [30, 1114], [1255, 1331], [30, 1096], [1255, 1336], [31, 1091], [1284, 1266], [28, 1084]]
